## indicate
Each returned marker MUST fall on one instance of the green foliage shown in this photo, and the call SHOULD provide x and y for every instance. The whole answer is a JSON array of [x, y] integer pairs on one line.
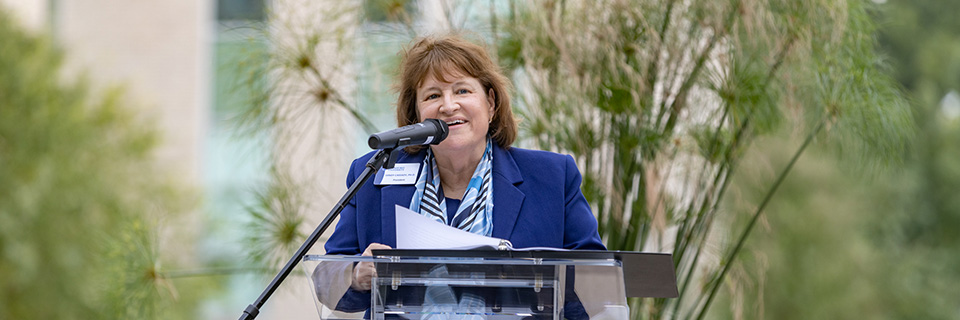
[[921, 38], [78, 194], [136, 287], [388, 10], [881, 246], [658, 102], [839, 241], [274, 231], [289, 89]]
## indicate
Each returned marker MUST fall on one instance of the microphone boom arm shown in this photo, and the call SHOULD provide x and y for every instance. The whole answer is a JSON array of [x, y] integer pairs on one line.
[[384, 158]]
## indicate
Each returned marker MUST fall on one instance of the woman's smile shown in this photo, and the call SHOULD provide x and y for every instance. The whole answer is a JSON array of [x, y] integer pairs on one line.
[[463, 104]]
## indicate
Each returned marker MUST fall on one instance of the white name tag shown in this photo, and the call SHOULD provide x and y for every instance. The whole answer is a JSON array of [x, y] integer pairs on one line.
[[401, 174]]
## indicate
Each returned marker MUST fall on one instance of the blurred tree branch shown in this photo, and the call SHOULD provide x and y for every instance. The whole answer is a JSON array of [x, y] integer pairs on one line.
[[80, 195]]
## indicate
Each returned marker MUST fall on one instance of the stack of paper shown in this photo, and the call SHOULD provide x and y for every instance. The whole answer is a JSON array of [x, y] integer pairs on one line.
[[415, 231]]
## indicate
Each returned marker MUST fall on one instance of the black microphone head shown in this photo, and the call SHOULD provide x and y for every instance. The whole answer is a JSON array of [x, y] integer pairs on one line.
[[430, 131], [442, 130], [374, 141]]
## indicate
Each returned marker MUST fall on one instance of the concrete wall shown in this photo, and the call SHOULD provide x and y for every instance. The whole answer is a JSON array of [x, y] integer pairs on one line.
[[32, 14], [160, 51]]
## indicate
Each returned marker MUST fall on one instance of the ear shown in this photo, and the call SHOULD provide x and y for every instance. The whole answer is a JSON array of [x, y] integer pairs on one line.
[[491, 98]]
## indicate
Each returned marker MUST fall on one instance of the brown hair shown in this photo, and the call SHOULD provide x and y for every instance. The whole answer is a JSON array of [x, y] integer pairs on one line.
[[442, 56]]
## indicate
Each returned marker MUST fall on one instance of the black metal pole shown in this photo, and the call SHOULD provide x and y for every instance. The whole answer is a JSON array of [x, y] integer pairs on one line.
[[381, 159]]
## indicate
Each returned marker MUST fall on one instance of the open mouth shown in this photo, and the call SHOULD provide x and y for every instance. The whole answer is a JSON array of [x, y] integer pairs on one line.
[[455, 122]]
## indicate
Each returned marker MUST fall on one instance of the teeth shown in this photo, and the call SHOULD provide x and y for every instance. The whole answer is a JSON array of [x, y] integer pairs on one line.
[[455, 122]]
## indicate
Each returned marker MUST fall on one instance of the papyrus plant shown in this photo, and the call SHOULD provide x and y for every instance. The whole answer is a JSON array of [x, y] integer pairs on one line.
[[658, 100]]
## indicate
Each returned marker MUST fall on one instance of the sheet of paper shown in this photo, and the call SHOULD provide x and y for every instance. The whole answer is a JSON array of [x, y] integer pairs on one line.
[[415, 231]]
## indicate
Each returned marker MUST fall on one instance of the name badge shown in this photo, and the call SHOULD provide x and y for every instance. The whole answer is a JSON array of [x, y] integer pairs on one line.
[[401, 174]]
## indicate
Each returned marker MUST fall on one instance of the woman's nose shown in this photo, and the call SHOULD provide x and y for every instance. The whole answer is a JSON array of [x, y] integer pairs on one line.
[[448, 106]]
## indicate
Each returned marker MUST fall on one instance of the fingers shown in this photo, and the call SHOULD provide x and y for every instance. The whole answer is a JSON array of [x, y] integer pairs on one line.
[[362, 276], [364, 272], [374, 246]]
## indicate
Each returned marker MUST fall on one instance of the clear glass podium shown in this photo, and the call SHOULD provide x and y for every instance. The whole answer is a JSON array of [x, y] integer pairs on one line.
[[479, 284]]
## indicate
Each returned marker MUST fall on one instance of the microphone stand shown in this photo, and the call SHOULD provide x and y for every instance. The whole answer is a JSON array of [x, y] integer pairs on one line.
[[385, 158]]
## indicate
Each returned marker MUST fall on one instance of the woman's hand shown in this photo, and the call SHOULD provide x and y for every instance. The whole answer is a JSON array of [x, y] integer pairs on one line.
[[363, 272]]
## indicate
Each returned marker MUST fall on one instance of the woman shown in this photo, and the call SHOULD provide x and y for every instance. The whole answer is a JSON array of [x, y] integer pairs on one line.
[[473, 180]]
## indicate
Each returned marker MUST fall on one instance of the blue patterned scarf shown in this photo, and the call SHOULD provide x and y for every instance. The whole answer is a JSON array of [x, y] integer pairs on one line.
[[475, 213]]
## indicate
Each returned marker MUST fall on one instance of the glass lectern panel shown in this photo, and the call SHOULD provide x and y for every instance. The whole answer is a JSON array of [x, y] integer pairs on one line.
[[410, 285]]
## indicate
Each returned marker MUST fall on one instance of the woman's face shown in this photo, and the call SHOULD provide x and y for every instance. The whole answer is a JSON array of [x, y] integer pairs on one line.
[[463, 105]]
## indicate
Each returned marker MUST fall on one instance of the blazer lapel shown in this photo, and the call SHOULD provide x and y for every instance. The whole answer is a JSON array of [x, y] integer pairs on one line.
[[507, 198], [391, 195]]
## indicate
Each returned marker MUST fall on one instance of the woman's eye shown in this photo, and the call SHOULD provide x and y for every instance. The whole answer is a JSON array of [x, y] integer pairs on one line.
[[463, 91], [433, 96]]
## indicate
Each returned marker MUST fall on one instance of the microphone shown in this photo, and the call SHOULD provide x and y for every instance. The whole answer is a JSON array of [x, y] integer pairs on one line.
[[430, 131]]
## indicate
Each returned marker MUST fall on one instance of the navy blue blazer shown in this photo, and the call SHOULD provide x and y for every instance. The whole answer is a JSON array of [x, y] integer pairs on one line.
[[536, 203]]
